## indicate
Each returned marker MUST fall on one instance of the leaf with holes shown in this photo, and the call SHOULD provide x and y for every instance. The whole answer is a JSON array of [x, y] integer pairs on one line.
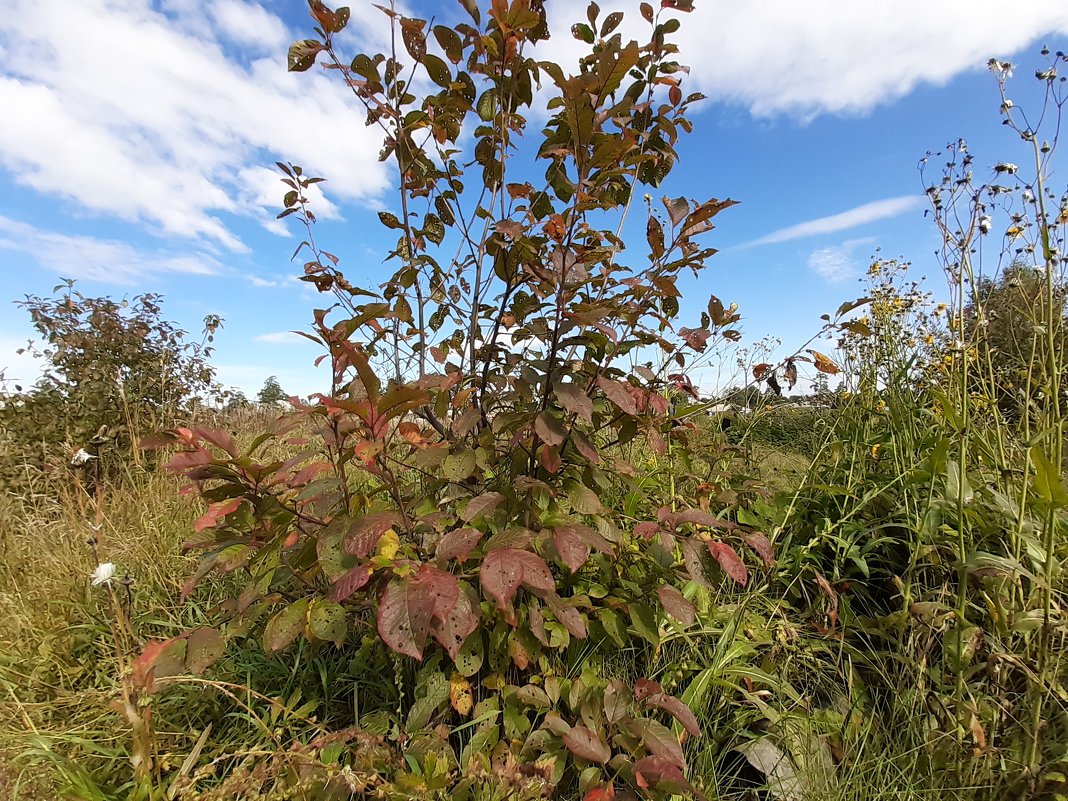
[[457, 544], [365, 532], [619, 393], [285, 626], [326, 621]]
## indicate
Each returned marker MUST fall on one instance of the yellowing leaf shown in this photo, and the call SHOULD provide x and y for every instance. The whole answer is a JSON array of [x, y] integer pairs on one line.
[[460, 694], [823, 363], [388, 545]]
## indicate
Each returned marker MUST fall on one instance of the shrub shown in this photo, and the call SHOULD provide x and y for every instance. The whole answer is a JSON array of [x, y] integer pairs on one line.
[[471, 499], [113, 371]]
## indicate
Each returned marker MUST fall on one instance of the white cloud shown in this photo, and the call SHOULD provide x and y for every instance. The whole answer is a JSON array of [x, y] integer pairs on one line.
[[836, 263], [249, 24], [843, 221], [94, 259], [283, 338], [148, 116], [820, 56], [17, 369]]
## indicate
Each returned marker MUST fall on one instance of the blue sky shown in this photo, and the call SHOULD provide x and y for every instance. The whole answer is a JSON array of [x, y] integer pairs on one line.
[[139, 137]]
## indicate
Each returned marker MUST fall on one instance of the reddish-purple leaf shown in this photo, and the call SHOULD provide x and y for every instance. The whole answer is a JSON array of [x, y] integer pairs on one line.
[[573, 398], [760, 543], [549, 429], [216, 512], [676, 605], [677, 709], [699, 517], [573, 551], [188, 459], [585, 447], [501, 575], [643, 688], [570, 617], [365, 532], [456, 626], [404, 616], [505, 569], [457, 544], [695, 557], [549, 458], [349, 583], [219, 438], [646, 530], [584, 744], [658, 738], [652, 770], [619, 393], [729, 560], [481, 505]]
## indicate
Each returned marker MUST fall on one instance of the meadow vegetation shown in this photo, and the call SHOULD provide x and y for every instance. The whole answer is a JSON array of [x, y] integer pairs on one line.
[[508, 553]]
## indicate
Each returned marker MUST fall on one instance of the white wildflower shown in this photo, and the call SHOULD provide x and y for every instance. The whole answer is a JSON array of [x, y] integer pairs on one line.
[[103, 574], [985, 224], [80, 458], [1006, 167]]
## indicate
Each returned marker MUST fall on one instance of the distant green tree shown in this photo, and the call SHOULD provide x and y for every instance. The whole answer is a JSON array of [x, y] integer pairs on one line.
[[272, 392], [1013, 311]]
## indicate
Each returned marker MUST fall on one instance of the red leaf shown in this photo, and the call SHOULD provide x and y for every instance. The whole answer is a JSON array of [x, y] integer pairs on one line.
[[651, 770], [646, 530], [584, 744], [349, 583], [219, 438], [729, 560], [760, 543], [505, 569], [481, 505], [602, 792], [643, 688], [215, 513], [619, 393], [365, 532], [550, 459], [456, 626], [573, 551], [409, 606], [549, 429], [457, 544], [501, 575], [573, 398], [676, 605], [677, 709]]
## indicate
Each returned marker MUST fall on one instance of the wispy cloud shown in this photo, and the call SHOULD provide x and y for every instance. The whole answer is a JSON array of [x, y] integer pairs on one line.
[[843, 221], [165, 115], [836, 263], [283, 338], [95, 259]]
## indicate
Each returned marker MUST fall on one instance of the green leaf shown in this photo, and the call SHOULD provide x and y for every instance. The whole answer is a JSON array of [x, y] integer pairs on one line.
[[643, 620], [285, 626], [584, 500], [1048, 482], [326, 621], [459, 466]]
